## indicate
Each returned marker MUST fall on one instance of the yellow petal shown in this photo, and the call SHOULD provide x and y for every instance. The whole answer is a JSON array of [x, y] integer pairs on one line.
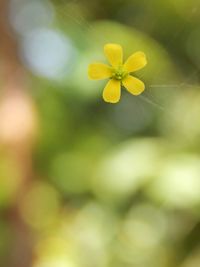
[[135, 62], [98, 71], [112, 91], [133, 85], [114, 54]]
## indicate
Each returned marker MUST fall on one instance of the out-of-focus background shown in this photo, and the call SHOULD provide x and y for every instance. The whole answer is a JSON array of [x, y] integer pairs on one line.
[[84, 183]]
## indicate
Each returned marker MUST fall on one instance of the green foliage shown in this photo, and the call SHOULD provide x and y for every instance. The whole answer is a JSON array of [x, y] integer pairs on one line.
[[114, 185]]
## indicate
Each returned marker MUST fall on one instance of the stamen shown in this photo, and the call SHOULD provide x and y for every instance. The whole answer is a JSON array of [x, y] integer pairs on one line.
[[119, 73]]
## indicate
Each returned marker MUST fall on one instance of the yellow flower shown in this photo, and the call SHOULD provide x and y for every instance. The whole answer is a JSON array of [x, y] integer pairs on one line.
[[118, 72]]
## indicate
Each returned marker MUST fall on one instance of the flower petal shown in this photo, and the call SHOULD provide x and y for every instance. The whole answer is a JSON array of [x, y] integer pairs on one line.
[[135, 62], [133, 85], [112, 91], [98, 71], [114, 54]]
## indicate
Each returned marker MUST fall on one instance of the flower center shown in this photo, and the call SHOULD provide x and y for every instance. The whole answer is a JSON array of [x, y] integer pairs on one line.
[[119, 73]]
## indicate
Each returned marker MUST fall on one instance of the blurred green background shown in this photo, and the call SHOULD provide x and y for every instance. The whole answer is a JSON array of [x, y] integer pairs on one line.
[[84, 183]]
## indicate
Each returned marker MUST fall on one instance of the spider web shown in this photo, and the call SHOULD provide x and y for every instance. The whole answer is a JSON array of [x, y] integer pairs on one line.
[[150, 99]]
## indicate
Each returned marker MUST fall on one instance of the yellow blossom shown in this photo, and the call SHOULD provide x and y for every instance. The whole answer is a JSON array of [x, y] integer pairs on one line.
[[118, 72]]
